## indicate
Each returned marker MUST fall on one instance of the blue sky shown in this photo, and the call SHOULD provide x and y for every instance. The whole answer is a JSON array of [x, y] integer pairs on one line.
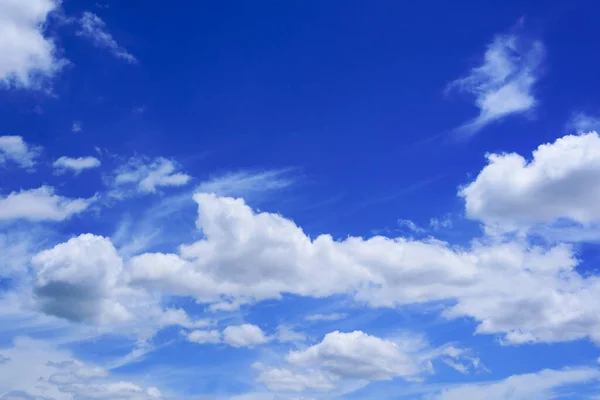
[[299, 200]]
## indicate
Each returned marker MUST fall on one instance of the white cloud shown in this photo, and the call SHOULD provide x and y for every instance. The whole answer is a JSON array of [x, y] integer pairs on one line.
[[204, 336], [247, 184], [286, 380], [526, 293], [410, 225], [76, 164], [441, 223], [559, 182], [245, 335], [503, 84], [147, 177], [326, 317], [26, 54], [76, 127], [542, 385], [93, 28], [37, 370], [583, 123], [356, 355], [40, 204], [84, 280], [15, 149], [76, 280]]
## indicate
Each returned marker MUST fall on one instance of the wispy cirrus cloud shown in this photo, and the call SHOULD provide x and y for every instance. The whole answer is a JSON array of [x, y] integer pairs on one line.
[[94, 28], [504, 83]]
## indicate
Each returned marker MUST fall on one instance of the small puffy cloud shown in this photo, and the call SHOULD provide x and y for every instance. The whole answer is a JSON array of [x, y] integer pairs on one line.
[[75, 164], [94, 29], [145, 176], [14, 148], [204, 336], [357, 355], [245, 335], [41, 204], [76, 127], [26, 54], [440, 223], [326, 317], [536, 386], [503, 84], [559, 182]]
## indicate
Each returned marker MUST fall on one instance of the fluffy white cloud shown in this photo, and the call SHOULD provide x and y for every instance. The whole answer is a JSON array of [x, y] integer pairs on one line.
[[83, 280], [14, 148], [26, 55], [503, 84], [76, 280], [542, 385], [147, 177], [527, 293], [93, 28], [75, 164], [245, 335], [356, 355], [37, 370], [40, 204], [559, 182], [204, 336]]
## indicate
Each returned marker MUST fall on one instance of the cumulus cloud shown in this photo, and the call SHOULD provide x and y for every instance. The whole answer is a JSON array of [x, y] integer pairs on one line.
[[27, 55], [356, 357], [559, 182], [75, 164], [84, 280], [526, 293], [503, 84], [147, 176], [245, 335], [94, 29], [14, 148], [542, 385], [41, 204]]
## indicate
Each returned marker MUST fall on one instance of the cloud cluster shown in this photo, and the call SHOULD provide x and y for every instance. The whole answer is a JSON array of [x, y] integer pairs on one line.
[[37, 370]]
